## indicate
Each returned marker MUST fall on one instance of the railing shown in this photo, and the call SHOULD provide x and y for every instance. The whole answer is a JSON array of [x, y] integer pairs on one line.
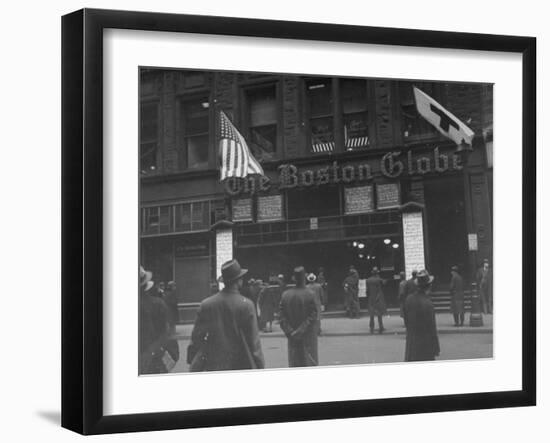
[[330, 228]]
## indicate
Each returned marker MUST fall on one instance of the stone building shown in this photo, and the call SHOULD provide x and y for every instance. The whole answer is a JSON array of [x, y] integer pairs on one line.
[[353, 176]]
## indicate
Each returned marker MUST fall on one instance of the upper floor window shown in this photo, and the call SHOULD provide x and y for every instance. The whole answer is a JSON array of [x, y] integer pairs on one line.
[[262, 121], [195, 133], [148, 137], [320, 106], [355, 114], [413, 125]]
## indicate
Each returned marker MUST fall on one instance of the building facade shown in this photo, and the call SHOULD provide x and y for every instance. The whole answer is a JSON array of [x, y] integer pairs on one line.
[[353, 176]]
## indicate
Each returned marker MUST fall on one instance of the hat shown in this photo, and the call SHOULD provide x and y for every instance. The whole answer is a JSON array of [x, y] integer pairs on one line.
[[454, 268], [145, 278], [486, 260], [402, 274], [375, 270], [231, 271], [251, 281], [311, 277], [423, 278]]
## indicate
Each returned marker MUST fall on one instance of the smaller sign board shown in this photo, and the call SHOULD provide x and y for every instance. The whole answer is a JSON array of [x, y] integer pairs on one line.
[[313, 223], [358, 199], [270, 208], [242, 209], [388, 195], [472, 242]]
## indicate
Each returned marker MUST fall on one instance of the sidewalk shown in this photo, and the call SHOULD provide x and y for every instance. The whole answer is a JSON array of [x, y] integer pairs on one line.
[[342, 326]]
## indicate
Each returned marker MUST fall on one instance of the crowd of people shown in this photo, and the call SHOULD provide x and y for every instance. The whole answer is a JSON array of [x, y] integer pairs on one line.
[[225, 335]]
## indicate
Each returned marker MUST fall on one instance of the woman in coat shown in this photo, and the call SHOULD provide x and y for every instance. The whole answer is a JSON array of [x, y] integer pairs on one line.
[[422, 342], [456, 290]]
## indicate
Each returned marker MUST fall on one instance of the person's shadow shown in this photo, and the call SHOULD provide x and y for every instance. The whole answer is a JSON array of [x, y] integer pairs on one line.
[[54, 417]]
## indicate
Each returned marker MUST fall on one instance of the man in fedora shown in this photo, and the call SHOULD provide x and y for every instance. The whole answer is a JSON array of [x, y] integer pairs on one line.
[[456, 289], [375, 299], [351, 289], [484, 281], [225, 335], [153, 326], [422, 342], [299, 322], [317, 291]]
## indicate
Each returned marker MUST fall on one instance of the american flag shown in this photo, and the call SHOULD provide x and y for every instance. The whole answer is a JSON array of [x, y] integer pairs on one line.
[[235, 157]]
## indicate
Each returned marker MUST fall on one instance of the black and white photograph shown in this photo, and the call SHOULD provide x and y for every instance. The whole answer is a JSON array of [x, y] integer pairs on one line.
[[293, 220]]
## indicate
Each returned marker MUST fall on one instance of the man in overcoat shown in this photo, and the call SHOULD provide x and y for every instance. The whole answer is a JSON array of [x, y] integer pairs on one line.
[[317, 291], [153, 326], [225, 335], [375, 299], [351, 288], [484, 279], [422, 342], [268, 302], [410, 287], [402, 291], [299, 322], [456, 289]]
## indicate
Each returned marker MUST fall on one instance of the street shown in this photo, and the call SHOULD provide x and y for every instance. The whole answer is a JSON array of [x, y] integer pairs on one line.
[[348, 342]]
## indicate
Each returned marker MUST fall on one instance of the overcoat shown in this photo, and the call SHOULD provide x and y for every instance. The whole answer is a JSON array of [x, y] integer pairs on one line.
[[225, 335], [317, 291], [375, 295], [153, 333], [299, 323], [456, 290], [268, 301], [422, 342]]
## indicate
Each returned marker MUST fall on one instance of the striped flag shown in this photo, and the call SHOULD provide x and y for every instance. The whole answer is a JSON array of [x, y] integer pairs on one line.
[[443, 120], [235, 157]]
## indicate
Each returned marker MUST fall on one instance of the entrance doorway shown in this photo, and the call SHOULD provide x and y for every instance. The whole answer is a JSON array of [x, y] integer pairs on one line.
[[446, 228]]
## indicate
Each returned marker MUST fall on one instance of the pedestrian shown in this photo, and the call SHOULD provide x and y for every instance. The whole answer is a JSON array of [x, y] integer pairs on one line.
[[317, 291], [484, 281], [351, 288], [410, 287], [160, 290], [456, 290], [299, 322], [375, 300], [153, 328], [171, 301], [321, 279], [402, 294], [268, 300], [422, 342], [225, 335]]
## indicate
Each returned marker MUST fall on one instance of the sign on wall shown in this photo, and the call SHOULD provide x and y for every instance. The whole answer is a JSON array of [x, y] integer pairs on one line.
[[388, 195], [242, 209], [358, 199], [270, 208], [472, 242], [224, 249], [413, 242]]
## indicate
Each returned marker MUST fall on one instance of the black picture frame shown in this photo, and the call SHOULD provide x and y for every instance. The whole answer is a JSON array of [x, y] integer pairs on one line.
[[82, 218]]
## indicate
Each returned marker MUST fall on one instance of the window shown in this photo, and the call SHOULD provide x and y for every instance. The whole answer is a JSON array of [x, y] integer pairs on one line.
[[262, 122], [148, 133], [192, 216], [157, 220], [355, 115], [195, 128], [413, 125], [320, 102]]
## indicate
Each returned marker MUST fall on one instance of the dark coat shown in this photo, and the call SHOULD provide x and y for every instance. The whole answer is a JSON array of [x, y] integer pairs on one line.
[[422, 342], [317, 291], [225, 335], [375, 295], [299, 323], [153, 333], [456, 290], [268, 302], [410, 287]]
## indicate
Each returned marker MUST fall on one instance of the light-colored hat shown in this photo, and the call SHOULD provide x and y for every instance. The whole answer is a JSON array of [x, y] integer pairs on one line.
[[311, 277], [145, 279], [423, 278]]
